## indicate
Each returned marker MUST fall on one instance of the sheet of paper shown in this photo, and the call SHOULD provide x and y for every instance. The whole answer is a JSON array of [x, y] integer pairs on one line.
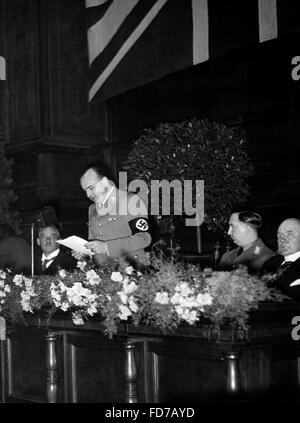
[[76, 243]]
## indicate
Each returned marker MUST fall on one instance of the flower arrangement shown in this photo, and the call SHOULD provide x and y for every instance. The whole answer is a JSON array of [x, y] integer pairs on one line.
[[165, 296]]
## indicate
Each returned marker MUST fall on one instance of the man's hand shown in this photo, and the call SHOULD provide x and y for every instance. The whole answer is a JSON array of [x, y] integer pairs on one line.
[[98, 247], [78, 256]]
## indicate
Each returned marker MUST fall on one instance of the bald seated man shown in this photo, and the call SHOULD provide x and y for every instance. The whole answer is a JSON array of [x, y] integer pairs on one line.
[[250, 251], [286, 264]]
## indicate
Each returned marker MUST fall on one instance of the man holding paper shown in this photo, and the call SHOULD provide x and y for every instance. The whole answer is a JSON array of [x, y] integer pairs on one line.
[[118, 221]]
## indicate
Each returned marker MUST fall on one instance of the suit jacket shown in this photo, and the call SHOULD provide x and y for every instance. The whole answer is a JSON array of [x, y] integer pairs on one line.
[[285, 277], [254, 257], [61, 261], [15, 254]]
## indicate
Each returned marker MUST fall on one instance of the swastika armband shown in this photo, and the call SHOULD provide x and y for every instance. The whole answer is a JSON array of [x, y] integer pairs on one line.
[[139, 225]]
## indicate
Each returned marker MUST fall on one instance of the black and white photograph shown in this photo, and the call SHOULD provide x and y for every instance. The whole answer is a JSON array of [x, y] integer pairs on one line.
[[150, 205]]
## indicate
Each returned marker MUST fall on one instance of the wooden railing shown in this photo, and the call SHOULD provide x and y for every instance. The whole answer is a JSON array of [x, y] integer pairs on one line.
[[52, 360]]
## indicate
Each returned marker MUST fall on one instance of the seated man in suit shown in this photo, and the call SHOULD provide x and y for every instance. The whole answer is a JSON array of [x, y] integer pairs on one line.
[[52, 258], [286, 264], [251, 251]]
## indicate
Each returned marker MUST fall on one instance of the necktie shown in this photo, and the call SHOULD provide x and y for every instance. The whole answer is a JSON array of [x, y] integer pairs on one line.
[[44, 267], [285, 264]]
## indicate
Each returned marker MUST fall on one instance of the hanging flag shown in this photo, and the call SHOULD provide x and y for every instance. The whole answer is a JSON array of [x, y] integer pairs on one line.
[[134, 42]]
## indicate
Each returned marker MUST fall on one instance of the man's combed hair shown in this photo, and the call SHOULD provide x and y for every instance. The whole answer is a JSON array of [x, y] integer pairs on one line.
[[53, 226], [253, 219], [100, 167]]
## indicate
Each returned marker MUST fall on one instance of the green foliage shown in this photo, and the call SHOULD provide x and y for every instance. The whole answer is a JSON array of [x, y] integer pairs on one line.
[[235, 293], [195, 150], [7, 194]]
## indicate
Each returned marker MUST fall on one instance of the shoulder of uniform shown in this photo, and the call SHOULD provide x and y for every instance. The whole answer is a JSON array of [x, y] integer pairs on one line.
[[92, 209]]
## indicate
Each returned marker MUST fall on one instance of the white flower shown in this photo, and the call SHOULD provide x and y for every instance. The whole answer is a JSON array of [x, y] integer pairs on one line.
[[77, 320], [81, 264], [2, 274], [129, 270], [189, 316], [129, 287], [62, 273], [92, 309], [162, 298], [184, 289], [123, 297], [17, 280], [56, 296], [179, 310], [64, 306], [92, 277], [132, 305], [204, 299], [25, 301], [124, 312], [116, 277], [28, 283]]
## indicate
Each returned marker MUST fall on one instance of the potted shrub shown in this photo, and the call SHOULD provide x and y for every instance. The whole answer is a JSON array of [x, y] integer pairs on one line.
[[196, 149]]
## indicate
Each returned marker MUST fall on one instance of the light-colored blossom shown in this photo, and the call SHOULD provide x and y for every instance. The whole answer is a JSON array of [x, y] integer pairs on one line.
[[81, 264], [92, 277], [129, 270], [124, 312], [116, 277], [62, 273], [162, 298], [17, 280]]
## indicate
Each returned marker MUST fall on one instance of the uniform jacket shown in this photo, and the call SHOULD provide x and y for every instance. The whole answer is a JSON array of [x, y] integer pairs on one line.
[[15, 254], [285, 278], [254, 257], [61, 261], [125, 234]]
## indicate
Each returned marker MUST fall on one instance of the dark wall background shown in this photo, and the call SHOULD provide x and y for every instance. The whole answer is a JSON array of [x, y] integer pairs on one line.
[[252, 89], [52, 130]]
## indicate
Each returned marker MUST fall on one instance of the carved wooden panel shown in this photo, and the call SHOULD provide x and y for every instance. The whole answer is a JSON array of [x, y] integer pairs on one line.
[[23, 71], [71, 118]]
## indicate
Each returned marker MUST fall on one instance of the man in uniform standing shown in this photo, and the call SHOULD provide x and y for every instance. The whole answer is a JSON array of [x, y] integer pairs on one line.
[[118, 221]]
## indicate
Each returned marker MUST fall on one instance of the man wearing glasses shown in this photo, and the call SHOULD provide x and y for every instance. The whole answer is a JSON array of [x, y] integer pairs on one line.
[[52, 258]]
